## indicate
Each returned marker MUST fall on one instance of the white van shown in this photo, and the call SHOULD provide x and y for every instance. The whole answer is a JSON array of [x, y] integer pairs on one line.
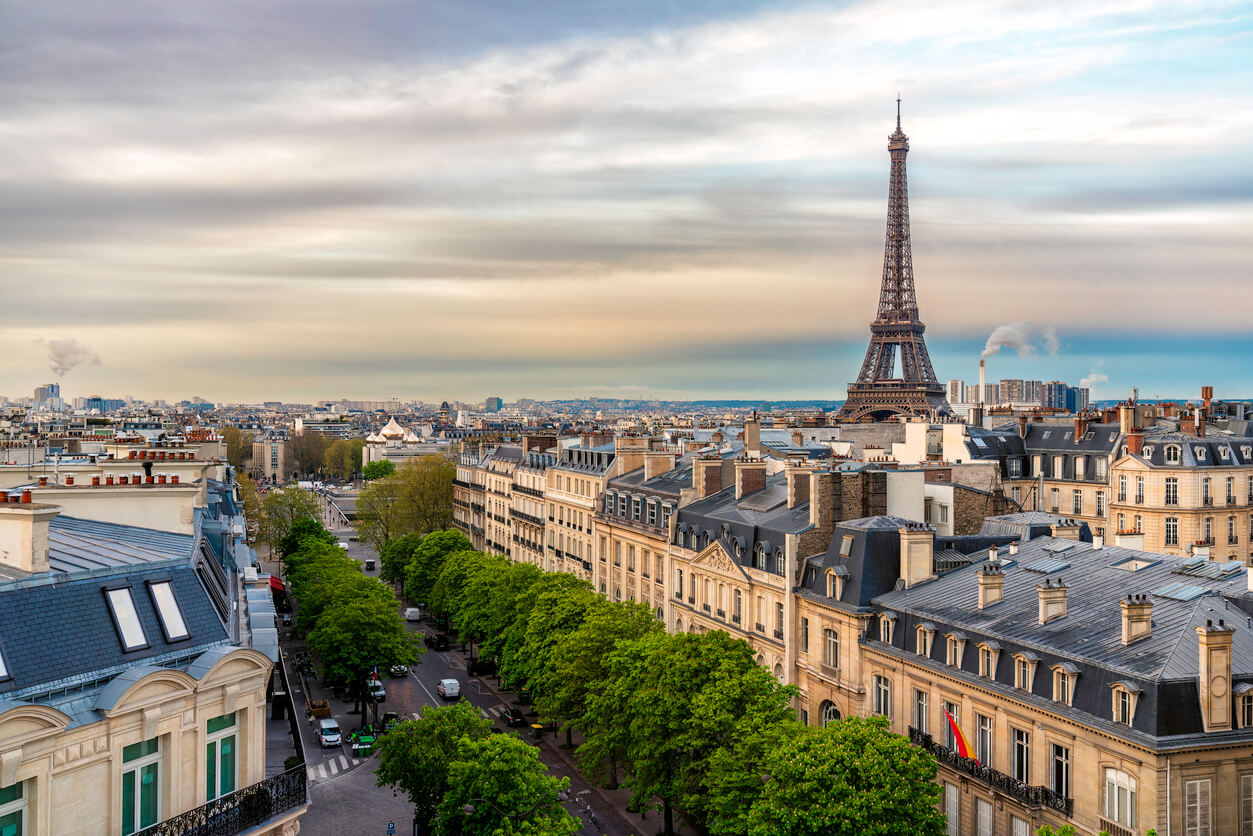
[[413, 614]]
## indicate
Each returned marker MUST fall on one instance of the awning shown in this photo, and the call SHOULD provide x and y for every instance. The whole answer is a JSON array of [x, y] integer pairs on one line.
[[276, 584]]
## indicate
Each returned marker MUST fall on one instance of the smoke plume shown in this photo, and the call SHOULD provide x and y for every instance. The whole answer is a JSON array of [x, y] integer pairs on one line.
[[67, 354], [1021, 337], [1093, 378]]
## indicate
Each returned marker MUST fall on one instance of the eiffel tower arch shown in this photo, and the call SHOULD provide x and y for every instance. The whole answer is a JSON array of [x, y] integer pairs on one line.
[[879, 393]]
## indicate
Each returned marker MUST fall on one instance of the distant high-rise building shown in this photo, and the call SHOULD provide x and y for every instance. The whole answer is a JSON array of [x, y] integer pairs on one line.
[[1032, 391], [956, 391], [1077, 398], [493, 404], [48, 390], [1012, 391], [1054, 395]]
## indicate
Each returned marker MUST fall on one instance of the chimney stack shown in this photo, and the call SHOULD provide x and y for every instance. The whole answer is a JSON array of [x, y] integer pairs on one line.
[[797, 485], [657, 463], [1214, 675], [982, 388], [1098, 542], [991, 579], [1022, 426], [1066, 530], [1013, 547], [750, 476], [798, 438], [752, 437], [1135, 441], [707, 476], [1200, 415], [1126, 418], [1207, 397], [1052, 600], [1130, 540], [1137, 618], [917, 553], [1081, 425], [24, 535]]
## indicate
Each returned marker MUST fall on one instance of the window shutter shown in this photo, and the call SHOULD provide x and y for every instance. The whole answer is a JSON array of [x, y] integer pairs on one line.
[[951, 801], [1197, 808]]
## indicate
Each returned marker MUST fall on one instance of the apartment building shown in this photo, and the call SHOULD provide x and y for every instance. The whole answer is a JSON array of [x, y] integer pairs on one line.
[[469, 488], [529, 515], [574, 485], [1187, 493]]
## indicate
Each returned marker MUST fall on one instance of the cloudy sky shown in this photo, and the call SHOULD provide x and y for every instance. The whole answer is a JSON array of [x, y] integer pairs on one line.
[[301, 199]]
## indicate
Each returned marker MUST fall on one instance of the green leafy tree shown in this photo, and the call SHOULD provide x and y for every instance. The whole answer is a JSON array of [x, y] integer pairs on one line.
[[378, 470], [446, 593], [427, 561], [579, 662], [683, 694], [427, 489], [301, 529], [381, 512], [250, 499], [494, 598], [395, 555], [416, 755], [359, 630], [498, 787], [558, 603], [282, 507], [850, 778], [343, 458]]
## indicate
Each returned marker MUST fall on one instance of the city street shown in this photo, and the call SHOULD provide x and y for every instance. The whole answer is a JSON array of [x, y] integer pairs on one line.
[[342, 788]]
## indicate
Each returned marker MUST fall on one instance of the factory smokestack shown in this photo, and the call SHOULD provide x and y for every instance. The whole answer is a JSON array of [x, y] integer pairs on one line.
[[982, 389]]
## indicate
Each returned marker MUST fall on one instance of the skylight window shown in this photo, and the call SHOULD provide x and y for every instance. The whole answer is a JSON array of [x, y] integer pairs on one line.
[[126, 619], [4, 670], [167, 607]]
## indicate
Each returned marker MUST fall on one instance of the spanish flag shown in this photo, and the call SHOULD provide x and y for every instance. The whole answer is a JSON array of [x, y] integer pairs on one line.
[[959, 739]]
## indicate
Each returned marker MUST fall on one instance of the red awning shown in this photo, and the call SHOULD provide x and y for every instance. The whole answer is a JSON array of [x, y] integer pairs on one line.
[[276, 584]]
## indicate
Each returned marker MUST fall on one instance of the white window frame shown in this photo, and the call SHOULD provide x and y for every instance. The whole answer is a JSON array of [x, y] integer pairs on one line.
[[168, 610], [983, 817], [922, 711], [1118, 803], [130, 629], [20, 806], [985, 731], [133, 768], [952, 809], [215, 739], [882, 695], [1060, 754], [1020, 754], [831, 647]]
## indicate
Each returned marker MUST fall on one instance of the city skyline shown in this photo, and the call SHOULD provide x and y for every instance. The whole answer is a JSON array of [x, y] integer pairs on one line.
[[290, 204]]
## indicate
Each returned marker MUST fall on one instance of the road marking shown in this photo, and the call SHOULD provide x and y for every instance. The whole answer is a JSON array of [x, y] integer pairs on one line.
[[334, 765], [434, 701]]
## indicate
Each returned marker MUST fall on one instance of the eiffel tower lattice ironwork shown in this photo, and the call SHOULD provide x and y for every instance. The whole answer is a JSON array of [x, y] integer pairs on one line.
[[879, 393]]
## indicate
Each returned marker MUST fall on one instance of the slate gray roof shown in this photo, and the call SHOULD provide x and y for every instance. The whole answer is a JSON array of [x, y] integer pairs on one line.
[[1091, 632], [57, 634], [77, 545], [1025, 525], [1210, 451]]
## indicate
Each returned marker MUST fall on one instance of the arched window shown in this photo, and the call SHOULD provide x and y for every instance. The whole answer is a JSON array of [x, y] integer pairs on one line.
[[678, 625], [1172, 454], [828, 712], [778, 672], [759, 557], [705, 540], [779, 565]]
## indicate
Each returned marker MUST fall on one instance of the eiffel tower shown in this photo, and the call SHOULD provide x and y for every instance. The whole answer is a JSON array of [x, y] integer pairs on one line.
[[879, 394]]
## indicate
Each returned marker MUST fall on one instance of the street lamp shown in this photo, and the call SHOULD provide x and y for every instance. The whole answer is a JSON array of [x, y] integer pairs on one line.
[[469, 808]]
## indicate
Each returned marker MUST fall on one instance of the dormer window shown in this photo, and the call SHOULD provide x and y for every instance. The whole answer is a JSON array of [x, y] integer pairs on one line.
[[887, 626], [1200, 453], [1125, 695], [126, 619], [1024, 670], [1246, 451], [835, 582], [759, 556], [1172, 453], [1224, 453], [988, 654], [1064, 676], [167, 608], [1244, 705], [923, 636], [780, 567], [1148, 451], [955, 648]]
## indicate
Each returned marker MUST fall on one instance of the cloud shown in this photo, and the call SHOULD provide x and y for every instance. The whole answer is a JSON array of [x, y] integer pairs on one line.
[[67, 354], [1094, 377]]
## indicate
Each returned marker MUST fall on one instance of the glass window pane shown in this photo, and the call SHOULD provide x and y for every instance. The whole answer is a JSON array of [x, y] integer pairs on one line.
[[4, 671], [11, 824], [148, 795], [211, 770], [217, 724], [128, 803], [10, 794], [127, 619], [227, 770], [138, 750], [167, 607]]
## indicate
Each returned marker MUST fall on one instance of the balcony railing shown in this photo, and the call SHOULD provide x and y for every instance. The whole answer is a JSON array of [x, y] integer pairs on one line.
[[1115, 829], [528, 491], [999, 781], [705, 607], [241, 810]]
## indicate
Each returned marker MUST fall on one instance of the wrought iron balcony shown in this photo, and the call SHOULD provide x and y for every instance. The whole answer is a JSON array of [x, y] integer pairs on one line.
[[999, 781], [241, 810], [705, 607]]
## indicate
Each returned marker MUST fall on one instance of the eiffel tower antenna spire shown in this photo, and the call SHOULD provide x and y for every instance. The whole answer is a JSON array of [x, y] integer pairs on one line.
[[879, 392]]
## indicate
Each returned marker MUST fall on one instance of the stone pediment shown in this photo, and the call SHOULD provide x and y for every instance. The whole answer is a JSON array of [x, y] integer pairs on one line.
[[715, 558]]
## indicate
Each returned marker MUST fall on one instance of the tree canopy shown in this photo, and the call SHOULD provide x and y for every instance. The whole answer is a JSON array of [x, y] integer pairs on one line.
[[415, 756], [426, 562], [416, 499], [378, 469], [853, 777], [498, 787], [238, 446], [281, 508]]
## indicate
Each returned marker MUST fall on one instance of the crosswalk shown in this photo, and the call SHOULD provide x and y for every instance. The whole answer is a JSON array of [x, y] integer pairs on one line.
[[331, 767]]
